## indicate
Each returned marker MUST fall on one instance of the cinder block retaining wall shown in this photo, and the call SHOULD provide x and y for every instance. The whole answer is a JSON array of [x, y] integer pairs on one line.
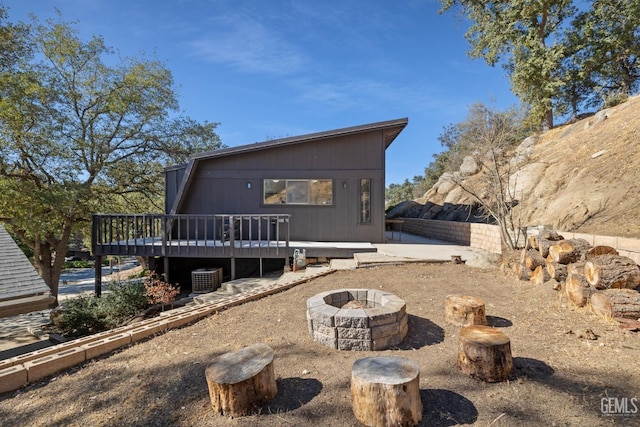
[[625, 246], [36, 365], [477, 236], [487, 237]]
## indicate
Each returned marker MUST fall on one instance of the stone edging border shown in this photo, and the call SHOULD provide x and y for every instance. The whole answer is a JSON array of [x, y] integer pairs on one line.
[[27, 368]]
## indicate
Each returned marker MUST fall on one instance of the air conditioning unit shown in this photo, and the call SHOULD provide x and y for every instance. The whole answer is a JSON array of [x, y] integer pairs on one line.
[[206, 280]]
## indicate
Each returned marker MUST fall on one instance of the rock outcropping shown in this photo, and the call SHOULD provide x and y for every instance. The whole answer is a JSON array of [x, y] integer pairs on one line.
[[583, 176]]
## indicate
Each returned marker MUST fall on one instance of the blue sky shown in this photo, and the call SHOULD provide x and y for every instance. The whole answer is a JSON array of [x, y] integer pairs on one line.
[[268, 69]]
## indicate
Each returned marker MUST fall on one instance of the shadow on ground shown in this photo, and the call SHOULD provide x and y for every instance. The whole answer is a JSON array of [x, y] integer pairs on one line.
[[422, 332], [292, 394], [443, 408], [499, 322]]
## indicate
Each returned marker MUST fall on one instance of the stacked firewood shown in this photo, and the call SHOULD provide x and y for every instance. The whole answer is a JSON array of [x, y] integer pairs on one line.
[[590, 275]]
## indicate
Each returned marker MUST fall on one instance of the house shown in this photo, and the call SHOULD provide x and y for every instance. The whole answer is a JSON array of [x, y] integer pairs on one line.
[[263, 201], [22, 290]]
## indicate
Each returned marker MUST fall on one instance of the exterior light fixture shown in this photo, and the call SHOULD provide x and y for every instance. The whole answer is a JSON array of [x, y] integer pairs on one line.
[[344, 185], [249, 185]]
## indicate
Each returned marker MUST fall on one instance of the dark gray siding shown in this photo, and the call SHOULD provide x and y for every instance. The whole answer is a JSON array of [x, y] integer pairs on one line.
[[219, 185], [172, 179]]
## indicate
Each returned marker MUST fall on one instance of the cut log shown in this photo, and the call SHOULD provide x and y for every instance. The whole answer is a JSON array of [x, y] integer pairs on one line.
[[484, 353], [540, 275], [464, 310], [385, 391], [545, 239], [241, 381], [575, 267], [557, 271], [611, 303], [577, 289], [568, 251], [612, 272], [522, 272], [599, 250], [533, 259], [550, 235]]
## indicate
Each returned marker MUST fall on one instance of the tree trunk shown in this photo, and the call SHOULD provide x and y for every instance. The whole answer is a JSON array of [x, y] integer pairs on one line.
[[544, 240], [241, 381], [557, 271], [540, 275], [577, 289], [612, 303], [385, 391], [464, 310], [599, 250], [521, 271], [484, 353], [612, 271], [533, 259], [568, 251], [575, 267]]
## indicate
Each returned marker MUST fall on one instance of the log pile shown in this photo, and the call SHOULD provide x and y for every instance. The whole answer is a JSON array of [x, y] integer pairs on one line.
[[592, 276]]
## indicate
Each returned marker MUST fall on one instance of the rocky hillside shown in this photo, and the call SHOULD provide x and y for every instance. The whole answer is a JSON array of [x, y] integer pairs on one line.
[[583, 177]]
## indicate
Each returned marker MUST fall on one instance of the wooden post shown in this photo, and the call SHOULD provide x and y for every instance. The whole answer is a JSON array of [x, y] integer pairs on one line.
[[97, 278], [241, 381], [485, 353], [385, 391], [464, 310]]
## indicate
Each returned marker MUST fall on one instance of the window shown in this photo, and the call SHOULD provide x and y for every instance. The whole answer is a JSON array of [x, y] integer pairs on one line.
[[365, 201], [298, 191]]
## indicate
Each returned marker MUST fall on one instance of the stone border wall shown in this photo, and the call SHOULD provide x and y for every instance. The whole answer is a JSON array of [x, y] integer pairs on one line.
[[30, 367], [487, 237], [477, 236], [624, 245]]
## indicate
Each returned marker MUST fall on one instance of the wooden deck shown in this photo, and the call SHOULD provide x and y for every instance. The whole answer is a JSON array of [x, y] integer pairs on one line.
[[206, 236]]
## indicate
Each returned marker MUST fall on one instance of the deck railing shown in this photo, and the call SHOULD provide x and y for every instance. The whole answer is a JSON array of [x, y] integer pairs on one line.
[[186, 235]]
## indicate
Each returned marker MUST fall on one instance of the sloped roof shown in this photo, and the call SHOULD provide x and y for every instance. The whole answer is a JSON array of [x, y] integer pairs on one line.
[[18, 278], [390, 128]]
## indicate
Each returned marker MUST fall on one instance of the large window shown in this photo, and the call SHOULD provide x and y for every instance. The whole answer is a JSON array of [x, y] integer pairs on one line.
[[298, 191]]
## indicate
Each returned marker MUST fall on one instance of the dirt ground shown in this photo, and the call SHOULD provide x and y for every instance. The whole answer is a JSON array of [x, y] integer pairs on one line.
[[560, 376]]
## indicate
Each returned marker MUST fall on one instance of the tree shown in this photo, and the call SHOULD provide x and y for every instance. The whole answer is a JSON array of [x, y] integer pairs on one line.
[[493, 135], [609, 39], [78, 135], [397, 193], [524, 37]]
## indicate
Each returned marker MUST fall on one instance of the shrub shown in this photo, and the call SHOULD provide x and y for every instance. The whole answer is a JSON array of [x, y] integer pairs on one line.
[[88, 314], [611, 99], [78, 264], [122, 301], [81, 316], [159, 291]]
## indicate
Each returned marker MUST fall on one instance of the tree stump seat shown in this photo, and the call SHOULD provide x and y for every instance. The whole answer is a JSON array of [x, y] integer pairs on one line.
[[485, 353], [464, 310], [385, 391], [241, 381]]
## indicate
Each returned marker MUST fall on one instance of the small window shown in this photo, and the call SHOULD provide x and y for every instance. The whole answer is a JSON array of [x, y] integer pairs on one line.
[[298, 191], [365, 201]]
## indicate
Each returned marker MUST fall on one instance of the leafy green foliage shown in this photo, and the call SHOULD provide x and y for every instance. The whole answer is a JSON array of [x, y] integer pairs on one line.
[[88, 314], [82, 132], [78, 264]]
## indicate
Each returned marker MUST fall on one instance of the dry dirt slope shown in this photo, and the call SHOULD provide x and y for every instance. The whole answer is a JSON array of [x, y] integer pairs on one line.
[[581, 177]]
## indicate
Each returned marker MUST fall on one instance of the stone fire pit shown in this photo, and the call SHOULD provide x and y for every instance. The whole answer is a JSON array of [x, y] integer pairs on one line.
[[357, 319]]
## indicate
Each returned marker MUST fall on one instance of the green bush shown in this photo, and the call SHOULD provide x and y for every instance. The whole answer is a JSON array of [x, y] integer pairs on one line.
[[78, 264], [88, 314], [81, 316], [614, 98], [123, 301]]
